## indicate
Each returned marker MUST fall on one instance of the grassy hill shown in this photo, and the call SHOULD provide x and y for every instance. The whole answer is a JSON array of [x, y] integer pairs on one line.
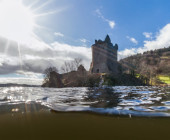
[[154, 65]]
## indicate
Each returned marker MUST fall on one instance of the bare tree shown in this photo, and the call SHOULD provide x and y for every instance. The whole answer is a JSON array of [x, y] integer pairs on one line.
[[63, 70], [77, 62], [65, 67], [71, 65]]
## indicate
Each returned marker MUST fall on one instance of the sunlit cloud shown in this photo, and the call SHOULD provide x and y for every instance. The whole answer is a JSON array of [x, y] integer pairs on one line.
[[162, 40], [42, 5], [37, 60], [51, 12], [125, 53], [132, 39], [30, 6], [58, 34], [83, 40], [111, 23], [69, 52], [29, 74], [147, 35], [20, 80]]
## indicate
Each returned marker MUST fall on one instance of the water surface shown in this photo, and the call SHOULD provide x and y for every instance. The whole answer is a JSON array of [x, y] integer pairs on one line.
[[120, 100]]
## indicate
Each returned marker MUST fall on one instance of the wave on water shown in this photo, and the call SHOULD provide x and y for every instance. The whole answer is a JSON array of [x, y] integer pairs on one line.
[[151, 101]]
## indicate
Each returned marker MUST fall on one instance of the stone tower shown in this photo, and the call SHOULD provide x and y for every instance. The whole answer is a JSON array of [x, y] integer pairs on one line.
[[104, 57]]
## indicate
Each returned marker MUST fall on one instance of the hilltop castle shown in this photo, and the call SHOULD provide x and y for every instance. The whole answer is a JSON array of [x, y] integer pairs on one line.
[[104, 57]]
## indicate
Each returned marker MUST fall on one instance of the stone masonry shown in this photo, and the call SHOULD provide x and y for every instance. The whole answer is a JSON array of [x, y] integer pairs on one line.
[[104, 57]]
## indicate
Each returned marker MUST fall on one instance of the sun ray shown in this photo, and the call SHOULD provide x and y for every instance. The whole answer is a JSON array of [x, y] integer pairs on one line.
[[17, 21], [45, 14], [6, 47], [42, 6], [20, 56], [32, 4], [51, 12], [39, 39], [40, 26]]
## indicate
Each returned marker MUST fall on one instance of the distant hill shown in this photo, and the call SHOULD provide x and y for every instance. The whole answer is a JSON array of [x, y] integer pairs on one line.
[[17, 85], [150, 63]]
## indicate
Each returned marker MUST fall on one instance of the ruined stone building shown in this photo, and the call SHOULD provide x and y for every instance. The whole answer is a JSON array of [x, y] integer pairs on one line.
[[104, 57]]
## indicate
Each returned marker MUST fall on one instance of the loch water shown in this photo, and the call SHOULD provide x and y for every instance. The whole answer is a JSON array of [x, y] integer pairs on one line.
[[147, 101]]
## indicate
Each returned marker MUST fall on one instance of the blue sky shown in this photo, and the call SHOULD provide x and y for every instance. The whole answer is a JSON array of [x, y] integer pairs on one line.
[[66, 29], [132, 18]]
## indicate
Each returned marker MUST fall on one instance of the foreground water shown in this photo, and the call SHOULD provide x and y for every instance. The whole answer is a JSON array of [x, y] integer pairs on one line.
[[81, 126], [119, 100]]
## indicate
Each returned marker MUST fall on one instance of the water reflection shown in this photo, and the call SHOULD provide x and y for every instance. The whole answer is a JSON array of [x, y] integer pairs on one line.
[[22, 108], [119, 100], [102, 98]]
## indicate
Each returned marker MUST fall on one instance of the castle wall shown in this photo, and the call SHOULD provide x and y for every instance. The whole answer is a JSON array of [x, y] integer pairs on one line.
[[104, 58]]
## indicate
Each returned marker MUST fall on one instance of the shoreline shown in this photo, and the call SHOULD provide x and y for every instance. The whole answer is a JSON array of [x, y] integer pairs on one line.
[[40, 86]]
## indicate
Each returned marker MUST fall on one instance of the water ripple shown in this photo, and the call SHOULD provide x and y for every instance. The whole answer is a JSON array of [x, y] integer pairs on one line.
[[119, 100]]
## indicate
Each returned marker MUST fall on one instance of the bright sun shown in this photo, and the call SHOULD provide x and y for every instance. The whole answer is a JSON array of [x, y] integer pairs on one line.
[[16, 21]]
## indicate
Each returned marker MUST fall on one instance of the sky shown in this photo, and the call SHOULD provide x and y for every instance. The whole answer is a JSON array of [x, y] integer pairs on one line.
[[36, 34]]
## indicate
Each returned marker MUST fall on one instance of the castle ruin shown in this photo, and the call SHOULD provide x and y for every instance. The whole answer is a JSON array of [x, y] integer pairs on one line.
[[104, 57]]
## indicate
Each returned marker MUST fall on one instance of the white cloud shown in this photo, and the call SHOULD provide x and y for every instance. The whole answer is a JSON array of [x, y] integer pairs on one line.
[[29, 74], [83, 40], [36, 58], [111, 23], [147, 35], [133, 40], [28, 81], [125, 53], [37, 55], [162, 39], [68, 52], [58, 34]]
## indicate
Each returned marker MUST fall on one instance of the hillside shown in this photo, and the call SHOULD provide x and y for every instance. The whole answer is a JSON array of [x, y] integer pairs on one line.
[[150, 64]]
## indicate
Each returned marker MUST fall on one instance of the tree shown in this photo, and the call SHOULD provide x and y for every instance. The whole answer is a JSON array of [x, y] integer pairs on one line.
[[52, 78], [77, 62], [47, 73], [65, 67], [71, 65], [93, 80]]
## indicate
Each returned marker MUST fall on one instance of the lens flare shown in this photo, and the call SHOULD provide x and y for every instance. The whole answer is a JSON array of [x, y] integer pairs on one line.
[[16, 20], [17, 23]]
